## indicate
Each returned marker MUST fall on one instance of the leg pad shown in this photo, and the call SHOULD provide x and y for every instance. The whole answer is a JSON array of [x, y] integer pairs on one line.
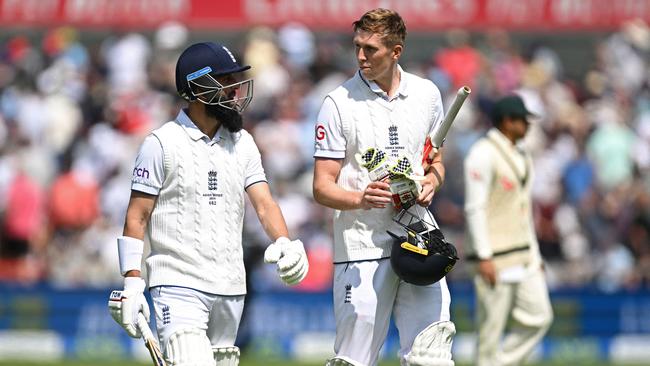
[[432, 346], [341, 361], [226, 356], [189, 347]]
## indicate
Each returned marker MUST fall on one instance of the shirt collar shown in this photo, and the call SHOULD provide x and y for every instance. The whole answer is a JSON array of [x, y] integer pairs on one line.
[[502, 140], [401, 90], [184, 120]]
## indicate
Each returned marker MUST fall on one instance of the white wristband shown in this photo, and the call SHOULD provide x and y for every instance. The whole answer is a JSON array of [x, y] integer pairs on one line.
[[130, 252], [134, 283]]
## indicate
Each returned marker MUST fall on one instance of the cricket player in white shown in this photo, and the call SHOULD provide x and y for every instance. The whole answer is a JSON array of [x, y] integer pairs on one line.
[[384, 107], [188, 189], [509, 277]]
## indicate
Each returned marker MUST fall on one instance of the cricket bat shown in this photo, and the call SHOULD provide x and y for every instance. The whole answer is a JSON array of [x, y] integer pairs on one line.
[[434, 141], [150, 341]]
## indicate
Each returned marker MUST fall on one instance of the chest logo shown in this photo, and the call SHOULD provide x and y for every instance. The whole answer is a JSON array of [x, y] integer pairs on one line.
[[213, 185], [393, 148], [393, 136], [507, 184], [212, 180]]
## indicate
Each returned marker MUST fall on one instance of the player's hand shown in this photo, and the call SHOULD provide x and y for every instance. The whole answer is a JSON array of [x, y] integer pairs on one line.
[[487, 271], [376, 195], [125, 305], [428, 185], [291, 259]]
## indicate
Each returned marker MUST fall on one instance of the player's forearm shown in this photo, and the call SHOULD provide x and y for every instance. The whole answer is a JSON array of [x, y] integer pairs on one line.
[[436, 173], [135, 226], [130, 245], [132, 273], [272, 220], [137, 214], [436, 170], [132, 229], [333, 196]]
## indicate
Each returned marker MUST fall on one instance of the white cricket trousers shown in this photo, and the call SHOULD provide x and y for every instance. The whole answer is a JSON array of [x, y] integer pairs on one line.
[[530, 307], [366, 294], [178, 308]]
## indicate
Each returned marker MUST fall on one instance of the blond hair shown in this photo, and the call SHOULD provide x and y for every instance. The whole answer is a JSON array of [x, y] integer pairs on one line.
[[388, 23]]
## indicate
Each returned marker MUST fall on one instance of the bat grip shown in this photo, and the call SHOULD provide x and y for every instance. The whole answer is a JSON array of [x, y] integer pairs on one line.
[[427, 150], [150, 341], [440, 134], [427, 154], [143, 325]]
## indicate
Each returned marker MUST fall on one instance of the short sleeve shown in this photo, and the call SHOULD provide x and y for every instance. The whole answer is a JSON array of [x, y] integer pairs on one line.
[[438, 113], [253, 169], [149, 171], [329, 139]]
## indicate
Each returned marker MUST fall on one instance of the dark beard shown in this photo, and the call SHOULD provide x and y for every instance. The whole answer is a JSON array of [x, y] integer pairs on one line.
[[229, 118]]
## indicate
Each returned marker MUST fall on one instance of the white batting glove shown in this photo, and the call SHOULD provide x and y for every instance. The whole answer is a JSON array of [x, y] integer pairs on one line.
[[376, 162], [291, 259], [125, 305]]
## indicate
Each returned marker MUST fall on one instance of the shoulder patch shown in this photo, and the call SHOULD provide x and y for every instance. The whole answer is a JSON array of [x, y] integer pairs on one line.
[[320, 132]]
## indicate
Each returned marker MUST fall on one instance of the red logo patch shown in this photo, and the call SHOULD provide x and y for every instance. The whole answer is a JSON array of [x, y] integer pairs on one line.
[[320, 132], [507, 184]]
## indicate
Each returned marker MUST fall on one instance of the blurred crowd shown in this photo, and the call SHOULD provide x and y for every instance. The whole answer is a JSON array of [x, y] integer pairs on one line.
[[74, 109]]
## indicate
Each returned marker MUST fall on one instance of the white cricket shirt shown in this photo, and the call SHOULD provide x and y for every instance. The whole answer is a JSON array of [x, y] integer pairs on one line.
[[195, 229], [148, 174], [359, 115]]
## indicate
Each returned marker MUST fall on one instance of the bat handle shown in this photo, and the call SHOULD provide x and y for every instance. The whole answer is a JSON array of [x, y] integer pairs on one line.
[[150, 341], [143, 325], [427, 154]]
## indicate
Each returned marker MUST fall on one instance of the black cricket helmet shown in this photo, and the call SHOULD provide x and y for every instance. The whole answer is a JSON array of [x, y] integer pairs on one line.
[[421, 256], [198, 69]]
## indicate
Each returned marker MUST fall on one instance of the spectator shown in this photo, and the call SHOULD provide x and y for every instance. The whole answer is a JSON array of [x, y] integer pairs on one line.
[[63, 99]]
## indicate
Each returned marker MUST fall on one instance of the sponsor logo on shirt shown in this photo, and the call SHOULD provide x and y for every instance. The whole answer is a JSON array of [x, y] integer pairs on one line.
[[141, 173], [507, 184], [320, 132], [475, 175]]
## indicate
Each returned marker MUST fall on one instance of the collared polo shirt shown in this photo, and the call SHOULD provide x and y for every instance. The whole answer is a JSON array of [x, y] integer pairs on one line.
[[149, 171], [330, 140]]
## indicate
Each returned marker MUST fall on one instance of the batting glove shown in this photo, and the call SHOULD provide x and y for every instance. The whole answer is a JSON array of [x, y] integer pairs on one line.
[[376, 162], [291, 259], [404, 184], [125, 305]]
